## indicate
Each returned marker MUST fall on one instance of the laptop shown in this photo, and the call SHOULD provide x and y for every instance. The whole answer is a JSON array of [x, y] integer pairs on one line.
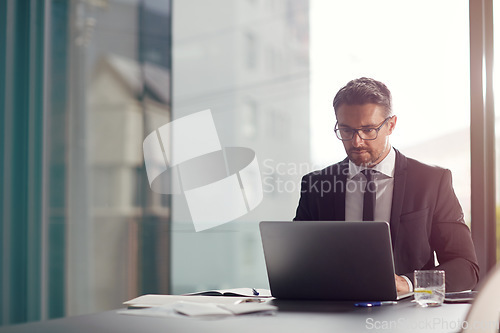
[[325, 260]]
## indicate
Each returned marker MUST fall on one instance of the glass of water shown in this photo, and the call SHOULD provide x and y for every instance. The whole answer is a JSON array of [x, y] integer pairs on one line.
[[429, 288]]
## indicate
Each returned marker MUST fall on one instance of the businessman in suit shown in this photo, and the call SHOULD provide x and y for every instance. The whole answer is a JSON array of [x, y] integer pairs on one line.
[[377, 182]]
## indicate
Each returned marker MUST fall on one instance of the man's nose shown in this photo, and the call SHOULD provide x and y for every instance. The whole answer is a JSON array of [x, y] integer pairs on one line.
[[356, 140]]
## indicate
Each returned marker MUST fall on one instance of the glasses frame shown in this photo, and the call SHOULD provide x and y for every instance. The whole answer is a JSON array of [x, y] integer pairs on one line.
[[356, 131]]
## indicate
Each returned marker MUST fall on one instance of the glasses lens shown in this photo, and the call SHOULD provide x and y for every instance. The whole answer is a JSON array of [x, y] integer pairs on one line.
[[344, 133], [368, 133]]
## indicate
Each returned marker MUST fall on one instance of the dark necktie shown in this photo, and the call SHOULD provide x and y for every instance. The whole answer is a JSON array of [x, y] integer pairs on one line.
[[370, 195]]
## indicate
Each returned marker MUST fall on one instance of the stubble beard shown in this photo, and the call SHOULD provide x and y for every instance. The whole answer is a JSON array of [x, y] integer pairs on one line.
[[367, 163]]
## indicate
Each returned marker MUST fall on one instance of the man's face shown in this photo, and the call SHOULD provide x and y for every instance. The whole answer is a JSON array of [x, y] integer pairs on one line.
[[366, 152]]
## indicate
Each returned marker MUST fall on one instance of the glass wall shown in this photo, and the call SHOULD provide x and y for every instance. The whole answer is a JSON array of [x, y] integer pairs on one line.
[[269, 70], [424, 62], [110, 79], [248, 62]]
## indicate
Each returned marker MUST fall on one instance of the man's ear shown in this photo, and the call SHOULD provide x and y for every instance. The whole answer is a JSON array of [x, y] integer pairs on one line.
[[392, 124]]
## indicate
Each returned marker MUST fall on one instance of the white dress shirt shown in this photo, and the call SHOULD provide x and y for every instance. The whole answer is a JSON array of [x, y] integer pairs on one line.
[[355, 186]]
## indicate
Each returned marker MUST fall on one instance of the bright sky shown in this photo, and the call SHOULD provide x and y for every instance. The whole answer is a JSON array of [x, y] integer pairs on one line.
[[420, 49]]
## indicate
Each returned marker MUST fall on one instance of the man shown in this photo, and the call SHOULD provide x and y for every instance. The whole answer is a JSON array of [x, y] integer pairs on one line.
[[416, 199]]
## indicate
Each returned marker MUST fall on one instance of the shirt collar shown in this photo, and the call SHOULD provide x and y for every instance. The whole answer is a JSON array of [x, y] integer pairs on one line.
[[386, 166]]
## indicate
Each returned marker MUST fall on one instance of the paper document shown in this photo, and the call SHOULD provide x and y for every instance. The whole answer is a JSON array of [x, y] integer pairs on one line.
[[196, 309], [151, 300], [204, 309]]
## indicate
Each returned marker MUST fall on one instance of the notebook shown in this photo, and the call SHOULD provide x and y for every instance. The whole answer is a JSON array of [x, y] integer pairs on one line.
[[324, 260]]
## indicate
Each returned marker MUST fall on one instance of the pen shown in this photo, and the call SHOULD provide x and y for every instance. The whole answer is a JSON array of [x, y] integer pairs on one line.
[[255, 292], [370, 304]]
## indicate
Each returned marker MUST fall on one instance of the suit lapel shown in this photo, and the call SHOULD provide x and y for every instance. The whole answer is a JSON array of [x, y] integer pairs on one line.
[[340, 200], [334, 205], [400, 173]]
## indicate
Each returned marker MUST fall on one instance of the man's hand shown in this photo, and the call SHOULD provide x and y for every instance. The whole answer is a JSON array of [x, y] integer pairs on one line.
[[402, 286]]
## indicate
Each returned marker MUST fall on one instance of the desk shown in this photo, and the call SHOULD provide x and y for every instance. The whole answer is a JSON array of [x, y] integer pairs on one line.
[[292, 316]]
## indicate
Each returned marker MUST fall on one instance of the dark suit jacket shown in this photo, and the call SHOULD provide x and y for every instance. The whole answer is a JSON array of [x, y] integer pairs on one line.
[[425, 217]]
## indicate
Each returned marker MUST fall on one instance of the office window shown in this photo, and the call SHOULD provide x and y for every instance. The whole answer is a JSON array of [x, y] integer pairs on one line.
[[110, 83], [249, 118], [270, 58], [251, 50], [425, 65], [230, 254]]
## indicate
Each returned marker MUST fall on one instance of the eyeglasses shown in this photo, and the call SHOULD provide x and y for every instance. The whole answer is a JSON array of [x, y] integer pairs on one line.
[[367, 133]]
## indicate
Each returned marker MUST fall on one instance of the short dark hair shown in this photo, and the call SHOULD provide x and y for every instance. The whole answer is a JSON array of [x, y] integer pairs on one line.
[[364, 90]]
